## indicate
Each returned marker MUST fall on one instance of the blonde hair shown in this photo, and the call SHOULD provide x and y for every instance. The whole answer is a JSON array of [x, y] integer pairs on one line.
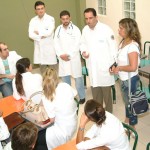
[[50, 82]]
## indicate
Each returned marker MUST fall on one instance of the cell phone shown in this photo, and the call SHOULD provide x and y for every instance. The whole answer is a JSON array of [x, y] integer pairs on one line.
[[114, 64]]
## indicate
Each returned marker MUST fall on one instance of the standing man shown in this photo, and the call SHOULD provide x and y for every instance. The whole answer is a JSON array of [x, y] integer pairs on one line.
[[41, 30], [67, 40], [7, 69], [98, 47]]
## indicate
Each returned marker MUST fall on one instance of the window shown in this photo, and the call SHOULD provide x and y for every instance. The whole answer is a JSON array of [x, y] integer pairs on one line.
[[129, 9], [102, 7]]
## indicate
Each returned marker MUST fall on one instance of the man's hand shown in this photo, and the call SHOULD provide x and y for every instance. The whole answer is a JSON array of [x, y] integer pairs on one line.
[[10, 76], [43, 37], [85, 54], [101, 148], [65, 57], [36, 32]]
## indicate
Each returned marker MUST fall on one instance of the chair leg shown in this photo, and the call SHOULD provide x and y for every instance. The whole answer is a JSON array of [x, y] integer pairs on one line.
[[113, 94], [84, 76]]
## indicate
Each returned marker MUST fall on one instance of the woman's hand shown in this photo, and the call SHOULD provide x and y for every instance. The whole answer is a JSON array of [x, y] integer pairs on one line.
[[83, 120], [1, 113], [114, 70]]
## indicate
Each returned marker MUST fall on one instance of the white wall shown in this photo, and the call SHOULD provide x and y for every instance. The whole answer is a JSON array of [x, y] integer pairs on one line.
[[115, 13]]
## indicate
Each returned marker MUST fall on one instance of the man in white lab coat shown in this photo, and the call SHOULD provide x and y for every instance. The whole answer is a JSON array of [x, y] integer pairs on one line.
[[7, 69], [41, 30], [67, 40], [98, 47]]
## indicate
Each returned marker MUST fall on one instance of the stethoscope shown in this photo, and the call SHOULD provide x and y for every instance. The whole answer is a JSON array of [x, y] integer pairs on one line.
[[70, 28]]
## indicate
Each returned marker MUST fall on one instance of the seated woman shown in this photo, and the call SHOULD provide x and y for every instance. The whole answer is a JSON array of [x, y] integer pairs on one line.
[[106, 133], [61, 107], [26, 83]]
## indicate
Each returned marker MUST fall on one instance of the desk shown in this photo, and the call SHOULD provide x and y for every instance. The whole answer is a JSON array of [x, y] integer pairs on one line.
[[71, 145], [9, 105], [145, 69]]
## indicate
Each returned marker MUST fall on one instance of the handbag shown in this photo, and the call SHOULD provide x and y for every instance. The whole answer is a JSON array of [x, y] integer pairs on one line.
[[35, 112], [138, 102]]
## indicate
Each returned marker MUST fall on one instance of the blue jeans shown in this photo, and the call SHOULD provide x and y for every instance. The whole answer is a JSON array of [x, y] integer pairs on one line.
[[79, 85], [135, 83], [6, 89]]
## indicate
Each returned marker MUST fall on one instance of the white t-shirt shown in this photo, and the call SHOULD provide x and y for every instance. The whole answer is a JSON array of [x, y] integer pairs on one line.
[[123, 60], [111, 134], [63, 109], [31, 83]]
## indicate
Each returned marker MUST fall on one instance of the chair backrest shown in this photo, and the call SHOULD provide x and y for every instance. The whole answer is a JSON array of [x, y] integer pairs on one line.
[[147, 48], [129, 130], [148, 146], [77, 104]]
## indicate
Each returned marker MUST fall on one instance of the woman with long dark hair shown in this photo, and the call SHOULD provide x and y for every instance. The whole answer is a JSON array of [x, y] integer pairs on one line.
[[25, 83], [106, 133]]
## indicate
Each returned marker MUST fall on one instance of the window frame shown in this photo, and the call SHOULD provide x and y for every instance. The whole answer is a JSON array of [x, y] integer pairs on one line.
[[102, 7], [129, 11]]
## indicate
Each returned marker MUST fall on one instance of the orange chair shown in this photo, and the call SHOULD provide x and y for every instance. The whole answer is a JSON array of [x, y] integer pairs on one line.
[[71, 145]]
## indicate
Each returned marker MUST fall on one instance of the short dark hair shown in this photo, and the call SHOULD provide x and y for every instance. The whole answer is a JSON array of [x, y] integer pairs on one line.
[[90, 10], [1, 43], [64, 13], [37, 3], [95, 111], [24, 136]]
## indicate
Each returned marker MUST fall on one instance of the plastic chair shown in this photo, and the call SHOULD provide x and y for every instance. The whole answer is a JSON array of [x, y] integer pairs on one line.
[[130, 130], [145, 60], [148, 146], [77, 104], [84, 72]]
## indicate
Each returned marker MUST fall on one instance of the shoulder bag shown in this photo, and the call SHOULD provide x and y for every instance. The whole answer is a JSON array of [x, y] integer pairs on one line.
[[138, 102], [35, 112]]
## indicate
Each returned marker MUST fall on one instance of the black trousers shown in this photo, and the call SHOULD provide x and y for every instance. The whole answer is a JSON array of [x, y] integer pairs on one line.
[[41, 141]]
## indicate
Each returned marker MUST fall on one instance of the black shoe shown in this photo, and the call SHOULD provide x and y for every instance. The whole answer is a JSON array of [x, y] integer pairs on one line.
[[82, 101]]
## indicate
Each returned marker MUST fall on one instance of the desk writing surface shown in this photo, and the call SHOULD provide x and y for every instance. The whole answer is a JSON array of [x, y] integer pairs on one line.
[[9, 105], [145, 69], [71, 145]]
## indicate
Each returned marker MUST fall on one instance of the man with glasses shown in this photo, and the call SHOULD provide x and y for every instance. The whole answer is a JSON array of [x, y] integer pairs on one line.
[[41, 31], [7, 69], [67, 39]]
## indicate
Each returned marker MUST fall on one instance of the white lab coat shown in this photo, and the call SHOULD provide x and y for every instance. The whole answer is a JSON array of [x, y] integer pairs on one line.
[[12, 59], [63, 108], [31, 83], [44, 52], [67, 42], [111, 134], [4, 132], [99, 43]]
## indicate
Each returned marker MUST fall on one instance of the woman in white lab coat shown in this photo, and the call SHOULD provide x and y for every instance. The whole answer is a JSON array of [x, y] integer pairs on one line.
[[61, 108], [107, 129], [25, 83]]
